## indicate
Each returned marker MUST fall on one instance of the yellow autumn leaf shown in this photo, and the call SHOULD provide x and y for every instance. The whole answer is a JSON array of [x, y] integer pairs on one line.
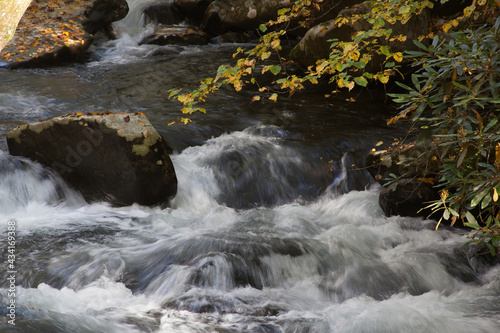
[[383, 78], [427, 180], [273, 97], [469, 10], [322, 66], [446, 26], [350, 85], [495, 195], [497, 156], [398, 56], [255, 99], [341, 21], [354, 55]]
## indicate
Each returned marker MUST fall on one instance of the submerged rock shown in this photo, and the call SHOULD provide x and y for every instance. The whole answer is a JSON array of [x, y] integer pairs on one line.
[[409, 198], [119, 158], [416, 168], [178, 36]]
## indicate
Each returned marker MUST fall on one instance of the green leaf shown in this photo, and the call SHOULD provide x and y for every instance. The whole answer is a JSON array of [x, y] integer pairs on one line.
[[491, 248], [492, 123], [461, 86], [385, 50], [486, 201], [263, 27], [472, 225], [461, 157], [478, 197], [416, 82], [361, 81], [404, 86], [404, 9], [453, 212], [275, 69], [472, 221], [420, 45]]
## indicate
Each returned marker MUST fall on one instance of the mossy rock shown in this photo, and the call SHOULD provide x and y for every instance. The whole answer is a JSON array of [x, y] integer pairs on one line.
[[119, 158]]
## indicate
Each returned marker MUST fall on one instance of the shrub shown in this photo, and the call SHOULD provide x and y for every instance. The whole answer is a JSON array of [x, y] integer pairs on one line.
[[457, 94]]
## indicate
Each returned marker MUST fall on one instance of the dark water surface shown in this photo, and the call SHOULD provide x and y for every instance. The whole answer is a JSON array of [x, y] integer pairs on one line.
[[272, 229]]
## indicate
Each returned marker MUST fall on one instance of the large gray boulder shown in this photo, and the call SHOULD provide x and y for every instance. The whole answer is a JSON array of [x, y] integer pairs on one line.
[[223, 15], [315, 45], [119, 158], [247, 14]]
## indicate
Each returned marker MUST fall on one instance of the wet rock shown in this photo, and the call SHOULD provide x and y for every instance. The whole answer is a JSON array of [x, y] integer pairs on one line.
[[117, 158], [408, 198], [50, 32], [193, 9], [242, 14], [417, 166], [232, 37], [102, 14], [178, 36], [315, 45], [212, 23], [450, 7], [163, 13], [249, 14]]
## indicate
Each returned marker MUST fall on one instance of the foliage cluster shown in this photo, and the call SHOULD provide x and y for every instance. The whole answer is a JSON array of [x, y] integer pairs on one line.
[[457, 95], [345, 66]]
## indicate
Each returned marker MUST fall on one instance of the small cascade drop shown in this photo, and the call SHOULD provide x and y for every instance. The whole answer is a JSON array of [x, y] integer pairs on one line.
[[23, 181]]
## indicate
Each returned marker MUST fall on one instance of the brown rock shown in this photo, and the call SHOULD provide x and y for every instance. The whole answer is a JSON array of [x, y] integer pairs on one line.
[[178, 36]]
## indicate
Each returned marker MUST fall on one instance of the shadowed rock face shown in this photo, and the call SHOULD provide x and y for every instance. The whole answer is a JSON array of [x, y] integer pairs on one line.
[[176, 35], [103, 13], [409, 198], [117, 158]]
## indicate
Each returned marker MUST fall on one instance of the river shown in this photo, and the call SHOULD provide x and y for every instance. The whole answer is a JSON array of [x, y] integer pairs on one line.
[[272, 230]]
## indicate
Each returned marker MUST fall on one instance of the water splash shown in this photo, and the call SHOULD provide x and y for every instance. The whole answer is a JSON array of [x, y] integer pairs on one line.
[[24, 182]]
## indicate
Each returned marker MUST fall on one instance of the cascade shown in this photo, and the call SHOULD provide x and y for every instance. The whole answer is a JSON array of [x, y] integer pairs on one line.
[[272, 228]]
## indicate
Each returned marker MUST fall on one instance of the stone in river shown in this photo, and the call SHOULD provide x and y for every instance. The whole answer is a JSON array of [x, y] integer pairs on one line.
[[177, 35], [119, 158]]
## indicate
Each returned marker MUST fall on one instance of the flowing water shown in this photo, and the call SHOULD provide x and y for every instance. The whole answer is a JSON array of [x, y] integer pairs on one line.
[[272, 229]]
